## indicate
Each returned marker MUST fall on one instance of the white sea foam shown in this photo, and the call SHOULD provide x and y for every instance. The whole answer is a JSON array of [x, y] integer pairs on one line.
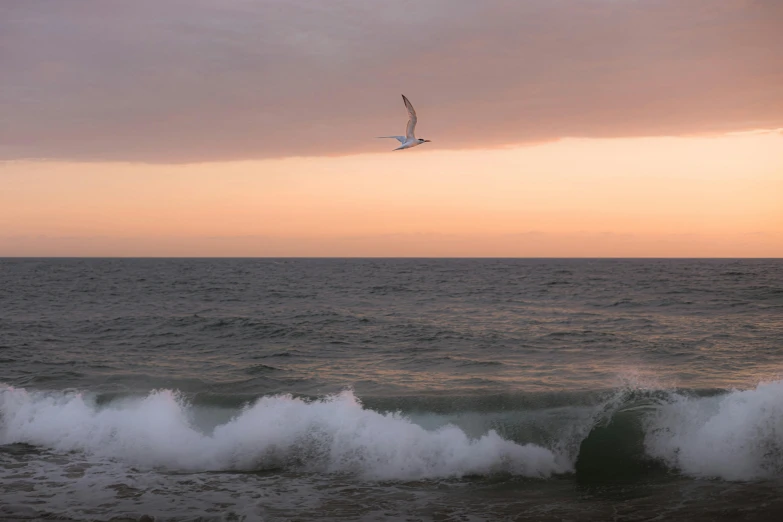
[[736, 436], [335, 434]]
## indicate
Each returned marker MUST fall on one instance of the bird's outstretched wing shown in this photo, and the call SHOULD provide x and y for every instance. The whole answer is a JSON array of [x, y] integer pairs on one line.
[[401, 139], [412, 119]]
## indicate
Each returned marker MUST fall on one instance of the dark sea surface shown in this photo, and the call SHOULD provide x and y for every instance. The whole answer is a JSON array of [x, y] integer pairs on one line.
[[391, 389]]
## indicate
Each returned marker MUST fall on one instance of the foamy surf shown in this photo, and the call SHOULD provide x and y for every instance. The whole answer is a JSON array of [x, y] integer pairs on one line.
[[334, 434], [737, 435]]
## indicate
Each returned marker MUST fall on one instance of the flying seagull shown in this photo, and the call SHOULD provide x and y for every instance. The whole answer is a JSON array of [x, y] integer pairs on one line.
[[409, 140]]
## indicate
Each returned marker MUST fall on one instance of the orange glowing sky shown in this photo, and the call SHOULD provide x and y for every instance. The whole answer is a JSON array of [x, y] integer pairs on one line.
[[606, 128]]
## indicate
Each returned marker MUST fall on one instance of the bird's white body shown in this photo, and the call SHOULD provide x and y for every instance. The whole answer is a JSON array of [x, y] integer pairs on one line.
[[406, 143], [409, 140]]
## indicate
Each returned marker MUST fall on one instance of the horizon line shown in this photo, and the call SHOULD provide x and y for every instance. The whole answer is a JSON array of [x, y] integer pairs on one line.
[[405, 257]]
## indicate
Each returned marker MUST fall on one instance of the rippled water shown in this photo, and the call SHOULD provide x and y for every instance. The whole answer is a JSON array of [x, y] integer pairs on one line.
[[390, 389]]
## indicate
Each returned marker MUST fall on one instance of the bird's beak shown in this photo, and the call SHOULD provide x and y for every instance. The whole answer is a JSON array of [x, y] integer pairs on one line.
[[427, 141]]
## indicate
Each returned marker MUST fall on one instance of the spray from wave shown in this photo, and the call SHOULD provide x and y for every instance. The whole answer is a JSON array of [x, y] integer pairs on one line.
[[735, 436]]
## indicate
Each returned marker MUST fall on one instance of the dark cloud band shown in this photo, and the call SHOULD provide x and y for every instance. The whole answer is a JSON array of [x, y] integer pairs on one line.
[[205, 80]]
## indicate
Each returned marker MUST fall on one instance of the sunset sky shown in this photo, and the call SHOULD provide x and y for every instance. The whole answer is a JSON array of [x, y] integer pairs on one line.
[[573, 128]]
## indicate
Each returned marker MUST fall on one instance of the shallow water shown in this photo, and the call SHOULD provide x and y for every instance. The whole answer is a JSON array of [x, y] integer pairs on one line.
[[391, 389]]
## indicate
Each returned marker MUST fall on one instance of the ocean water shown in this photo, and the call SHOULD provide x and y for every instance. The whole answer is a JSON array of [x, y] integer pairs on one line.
[[391, 389]]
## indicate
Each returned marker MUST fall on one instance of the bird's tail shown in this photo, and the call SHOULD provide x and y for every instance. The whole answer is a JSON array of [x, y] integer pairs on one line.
[[401, 139]]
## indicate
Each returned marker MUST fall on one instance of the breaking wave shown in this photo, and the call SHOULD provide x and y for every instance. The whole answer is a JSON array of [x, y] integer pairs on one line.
[[335, 434], [733, 435]]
